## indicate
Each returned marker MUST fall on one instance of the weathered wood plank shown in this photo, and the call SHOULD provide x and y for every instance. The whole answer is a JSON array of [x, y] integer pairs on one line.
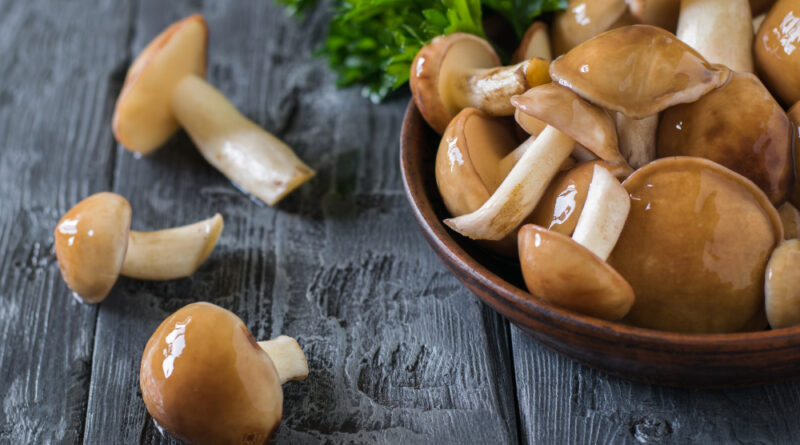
[[398, 350], [56, 62], [561, 401]]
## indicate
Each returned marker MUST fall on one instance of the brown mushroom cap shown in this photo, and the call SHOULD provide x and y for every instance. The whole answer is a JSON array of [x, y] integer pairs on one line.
[[584, 19], [432, 67], [562, 109], [143, 119], [567, 274], [777, 57], [638, 71], [790, 218], [695, 246], [738, 125], [661, 13], [782, 285], [205, 379], [562, 202], [90, 242], [794, 117]]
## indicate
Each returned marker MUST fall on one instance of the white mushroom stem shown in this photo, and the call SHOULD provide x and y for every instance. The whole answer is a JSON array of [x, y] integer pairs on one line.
[[257, 161], [288, 358], [489, 89], [720, 30], [637, 139], [604, 214], [507, 163], [520, 191], [171, 253]]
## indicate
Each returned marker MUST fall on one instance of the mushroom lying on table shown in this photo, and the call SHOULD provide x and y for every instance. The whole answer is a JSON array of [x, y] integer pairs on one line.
[[94, 245], [695, 247], [782, 285], [637, 71], [777, 59], [572, 272], [165, 89], [461, 70], [205, 379], [569, 120]]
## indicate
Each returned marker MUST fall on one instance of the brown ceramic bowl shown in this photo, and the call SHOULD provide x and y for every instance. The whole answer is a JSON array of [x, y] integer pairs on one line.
[[688, 360]]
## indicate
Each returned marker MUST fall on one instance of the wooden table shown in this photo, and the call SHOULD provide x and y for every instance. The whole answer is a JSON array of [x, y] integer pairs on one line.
[[399, 352]]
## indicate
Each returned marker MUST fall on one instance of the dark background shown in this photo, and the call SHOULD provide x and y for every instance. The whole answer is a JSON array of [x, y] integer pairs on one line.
[[399, 351]]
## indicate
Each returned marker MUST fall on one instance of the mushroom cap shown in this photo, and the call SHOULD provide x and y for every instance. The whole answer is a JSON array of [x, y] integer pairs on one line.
[[638, 71], [143, 118], [567, 274], [790, 218], [433, 66], [564, 110], [794, 117], [584, 19], [90, 241], [695, 246], [775, 49], [738, 125], [661, 13], [562, 203], [781, 285], [205, 379], [535, 43]]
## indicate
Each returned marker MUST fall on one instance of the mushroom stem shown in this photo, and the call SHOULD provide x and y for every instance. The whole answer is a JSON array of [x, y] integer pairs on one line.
[[288, 358], [720, 30], [257, 161], [520, 191], [637, 139], [507, 163], [171, 253], [489, 89], [603, 215]]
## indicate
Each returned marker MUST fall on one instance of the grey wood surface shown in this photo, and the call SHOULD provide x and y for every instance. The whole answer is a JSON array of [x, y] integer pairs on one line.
[[398, 351]]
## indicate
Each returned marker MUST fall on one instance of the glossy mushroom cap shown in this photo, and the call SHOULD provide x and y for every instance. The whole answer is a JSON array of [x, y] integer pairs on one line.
[[562, 203], [562, 109], [739, 126], [90, 242], [205, 379], [777, 57], [567, 274], [431, 69], [143, 120], [584, 19], [695, 246], [638, 71], [782, 285]]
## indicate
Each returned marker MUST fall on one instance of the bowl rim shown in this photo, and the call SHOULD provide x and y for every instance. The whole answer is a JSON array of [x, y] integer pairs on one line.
[[515, 297]]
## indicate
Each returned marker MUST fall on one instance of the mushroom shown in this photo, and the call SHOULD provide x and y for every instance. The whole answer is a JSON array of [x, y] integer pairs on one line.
[[790, 217], [94, 245], [572, 272], [738, 125], [205, 379], [534, 44], [720, 30], [637, 71], [695, 246], [782, 285], [661, 13], [776, 52], [164, 90], [584, 19], [460, 70], [570, 120]]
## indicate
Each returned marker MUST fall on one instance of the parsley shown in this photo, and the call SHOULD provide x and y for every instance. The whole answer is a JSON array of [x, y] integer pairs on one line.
[[373, 42]]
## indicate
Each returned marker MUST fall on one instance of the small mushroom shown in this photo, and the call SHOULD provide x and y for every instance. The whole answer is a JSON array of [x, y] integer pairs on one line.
[[205, 379], [661, 13], [461, 70], [777, 58], [165, 89], [790, 217], [738, 125], [637, 71], [782, 285], [534, 44], [570, 119], [94, 245], [720, 30], [584, 19], [695, 246], [572, 272]]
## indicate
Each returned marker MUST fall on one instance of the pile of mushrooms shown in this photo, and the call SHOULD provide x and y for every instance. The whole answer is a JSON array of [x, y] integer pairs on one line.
[[650, 177]]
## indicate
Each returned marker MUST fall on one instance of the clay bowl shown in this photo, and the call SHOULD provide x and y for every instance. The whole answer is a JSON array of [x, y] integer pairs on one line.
[[708, 361]]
